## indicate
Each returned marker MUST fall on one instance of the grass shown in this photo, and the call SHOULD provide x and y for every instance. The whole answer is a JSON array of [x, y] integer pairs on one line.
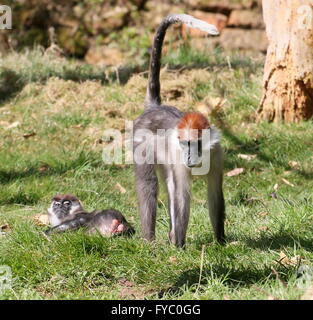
[[51, 126]]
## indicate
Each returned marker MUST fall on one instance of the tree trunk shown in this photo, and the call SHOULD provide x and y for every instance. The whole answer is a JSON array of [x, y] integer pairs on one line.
[[288, 74]]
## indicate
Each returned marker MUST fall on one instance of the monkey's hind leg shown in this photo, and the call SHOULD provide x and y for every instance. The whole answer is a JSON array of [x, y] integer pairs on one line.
[[147, 191], [216, 203]]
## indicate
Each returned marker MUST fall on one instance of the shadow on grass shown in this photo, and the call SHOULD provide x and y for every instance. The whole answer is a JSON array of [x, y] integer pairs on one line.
[[279, 240], [234, 278], [11, 82], [50, 168], [266, 241], [254, 147]]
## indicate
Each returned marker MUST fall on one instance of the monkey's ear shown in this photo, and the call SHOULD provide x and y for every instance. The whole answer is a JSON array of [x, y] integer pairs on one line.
[[214, 138]]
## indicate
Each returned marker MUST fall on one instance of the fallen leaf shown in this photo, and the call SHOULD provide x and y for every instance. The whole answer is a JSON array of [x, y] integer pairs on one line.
[[284, 260], [210, 105], [287, 182], [217, 103], [41, 219], [78, 126], [263, 213], [43, 168], [263, 228], [276, 186], [173, 260], [308, 294], [247, 157], [120, 188], [235, 172], [28, 135], [295, 260], [13, 125], [294, 164]]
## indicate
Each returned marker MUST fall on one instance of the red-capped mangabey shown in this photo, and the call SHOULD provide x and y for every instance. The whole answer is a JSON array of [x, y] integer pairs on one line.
[[185, 140], [66, 213]]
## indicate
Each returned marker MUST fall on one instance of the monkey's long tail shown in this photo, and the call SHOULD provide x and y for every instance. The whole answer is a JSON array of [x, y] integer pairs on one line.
[[153, 97]]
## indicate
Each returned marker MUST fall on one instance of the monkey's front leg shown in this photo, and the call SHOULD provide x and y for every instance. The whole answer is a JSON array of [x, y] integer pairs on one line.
[[68, 225], [147, 191], [178, 187]]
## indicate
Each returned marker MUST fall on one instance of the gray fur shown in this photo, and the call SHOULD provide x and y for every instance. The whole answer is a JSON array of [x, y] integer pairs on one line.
[[176, 176], [153, 90]]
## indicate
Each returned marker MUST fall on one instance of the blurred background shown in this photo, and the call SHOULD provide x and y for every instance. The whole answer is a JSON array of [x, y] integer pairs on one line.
[[114, 32]]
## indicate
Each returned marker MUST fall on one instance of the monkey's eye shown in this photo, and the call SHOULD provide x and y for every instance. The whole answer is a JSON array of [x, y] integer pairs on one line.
[[67, 203], [56, 203]]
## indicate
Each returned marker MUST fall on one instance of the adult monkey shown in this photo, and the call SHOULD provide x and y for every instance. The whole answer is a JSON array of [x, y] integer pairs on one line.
[[184, 140]]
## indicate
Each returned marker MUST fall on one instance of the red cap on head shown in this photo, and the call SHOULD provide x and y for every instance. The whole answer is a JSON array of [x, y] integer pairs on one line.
[[192, 121]]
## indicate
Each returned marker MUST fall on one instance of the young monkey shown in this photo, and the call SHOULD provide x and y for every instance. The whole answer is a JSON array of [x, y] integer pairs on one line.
[[67, 213]]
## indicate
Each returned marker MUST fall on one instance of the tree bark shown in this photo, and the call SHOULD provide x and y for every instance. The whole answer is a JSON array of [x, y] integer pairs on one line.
[[288, 73]]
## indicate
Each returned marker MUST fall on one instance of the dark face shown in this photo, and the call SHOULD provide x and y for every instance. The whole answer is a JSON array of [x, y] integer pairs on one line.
[[63, 206], [192, 152]]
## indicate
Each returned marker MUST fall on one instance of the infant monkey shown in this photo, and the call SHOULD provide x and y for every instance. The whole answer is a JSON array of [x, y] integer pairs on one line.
[[67, 213]]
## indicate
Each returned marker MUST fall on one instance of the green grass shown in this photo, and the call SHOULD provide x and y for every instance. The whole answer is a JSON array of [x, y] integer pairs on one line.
[[69, 115]]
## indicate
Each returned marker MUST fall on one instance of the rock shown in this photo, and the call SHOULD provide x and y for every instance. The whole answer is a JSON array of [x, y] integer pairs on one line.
[[105, 19], [73, 41], [221, 6], [246, 19], [236, 39], [104, 56], [219, 20]]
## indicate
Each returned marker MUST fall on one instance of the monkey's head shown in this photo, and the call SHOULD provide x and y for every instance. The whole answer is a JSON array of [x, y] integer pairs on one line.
[[62, 206], [195, 136]]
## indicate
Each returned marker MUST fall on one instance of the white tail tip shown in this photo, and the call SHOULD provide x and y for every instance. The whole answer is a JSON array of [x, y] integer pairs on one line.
[[195, 23]]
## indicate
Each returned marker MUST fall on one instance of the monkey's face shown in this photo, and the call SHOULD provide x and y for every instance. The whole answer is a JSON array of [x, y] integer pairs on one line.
[[62, 206], [192, 152], [196, 138]]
